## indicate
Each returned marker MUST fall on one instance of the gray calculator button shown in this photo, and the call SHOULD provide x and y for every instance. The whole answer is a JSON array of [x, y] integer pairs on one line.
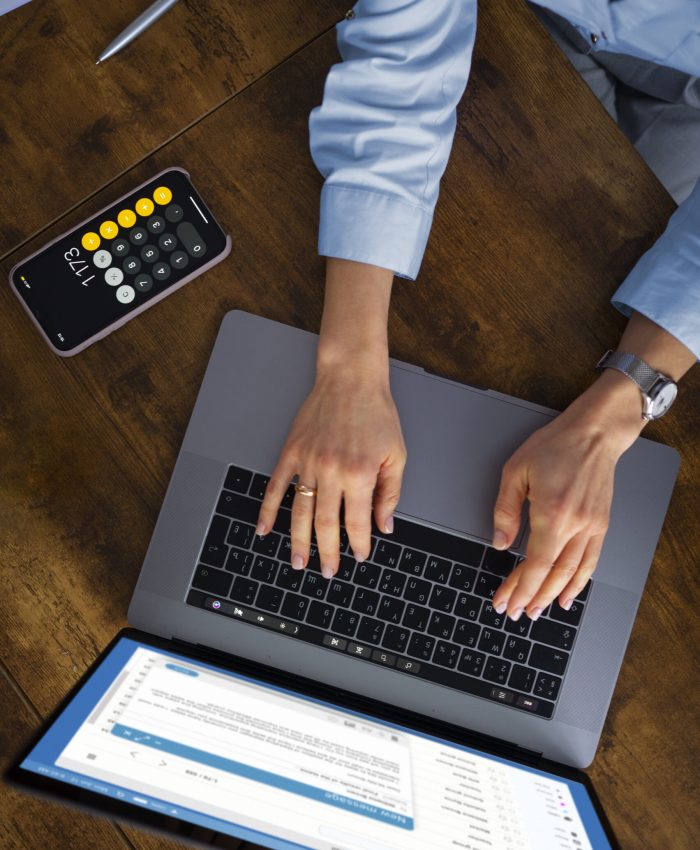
[[102, 259], [179, 259], [161, 271], [174, 213], [132, 265], [143, 282], [149, 253], [125, 294], [137, 236], [120, 247], [167, 241], [191, 239], [114, 276], [155, 224]]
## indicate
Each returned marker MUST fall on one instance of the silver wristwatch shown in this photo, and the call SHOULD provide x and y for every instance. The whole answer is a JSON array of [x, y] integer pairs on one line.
[[658, 391]]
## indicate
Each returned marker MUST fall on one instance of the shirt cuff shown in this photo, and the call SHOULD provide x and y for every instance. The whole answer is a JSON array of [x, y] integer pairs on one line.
[[370, 227], [665, 288]]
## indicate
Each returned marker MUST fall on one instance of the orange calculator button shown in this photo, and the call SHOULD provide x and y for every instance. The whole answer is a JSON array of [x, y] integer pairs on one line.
[[127, 218], [144, 206], [108, 229], [90, 241], [162, 195]]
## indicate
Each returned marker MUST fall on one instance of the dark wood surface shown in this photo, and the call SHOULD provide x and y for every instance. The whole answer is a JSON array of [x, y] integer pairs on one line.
[[544, 208]]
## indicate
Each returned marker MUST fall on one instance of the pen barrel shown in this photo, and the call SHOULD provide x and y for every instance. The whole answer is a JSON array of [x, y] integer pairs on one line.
[[137, 26]]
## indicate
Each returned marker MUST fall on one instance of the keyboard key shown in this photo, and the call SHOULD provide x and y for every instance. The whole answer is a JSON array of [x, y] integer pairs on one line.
[[462, 577], [555, 634], [395, 638], [314, 585], [295, 606], [583, 595], [417, 590], [264, 569], [288, 578], [502, 695], [572, 617], [383, 657], [258, 487], [421, 646], [269, 598], [499, 562], [497, 670], [320, 614], [346, 568], [527, 702], [238, 479], [244, 590], [365, 601], [370, 630], [442, 598], [334, 642], [517, 649], [437, 569], [471, 553], [359, 649], [392, 582], [549, 659], [407, 665], [386, 553], [345, 622], [211, 580], [489, 617], [441, 625], [412, 562], [471, 662], [492, 641], [285, 550], [416, 617], [522, 678], [467, 633], [239, 561], [367, 575], [391, 609], [239, 507], [547, 686], [446, 654], [215, 550], [267, 544], [487, 585], [467, 606], [520, 628], [339, 593]]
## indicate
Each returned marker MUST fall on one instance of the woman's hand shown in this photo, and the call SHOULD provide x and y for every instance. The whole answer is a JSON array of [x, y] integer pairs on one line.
[[566, 472]]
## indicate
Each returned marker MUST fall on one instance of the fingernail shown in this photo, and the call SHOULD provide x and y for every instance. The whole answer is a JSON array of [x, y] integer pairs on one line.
[[499, 539], [297, 562], [566, 604], [516, 614], [389, 525], [534, 615], [500, 608], [260, 529], [358, 559], [327, 572]]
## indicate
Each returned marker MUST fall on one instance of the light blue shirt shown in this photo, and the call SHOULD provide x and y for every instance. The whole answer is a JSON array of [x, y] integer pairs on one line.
[[383, 134]]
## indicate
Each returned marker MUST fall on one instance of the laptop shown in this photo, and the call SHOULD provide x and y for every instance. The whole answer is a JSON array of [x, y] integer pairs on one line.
[[387, 708]]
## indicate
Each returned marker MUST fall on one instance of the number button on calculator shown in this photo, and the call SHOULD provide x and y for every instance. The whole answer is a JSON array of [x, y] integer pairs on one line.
[[179, 259], [120, 247], [161, 271], [156, 224], [149, 253], [137, 236], [132, 265], [191, 239], [143, 282]]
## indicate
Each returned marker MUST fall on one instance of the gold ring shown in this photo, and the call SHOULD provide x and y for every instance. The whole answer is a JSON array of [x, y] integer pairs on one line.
[[303, 490]]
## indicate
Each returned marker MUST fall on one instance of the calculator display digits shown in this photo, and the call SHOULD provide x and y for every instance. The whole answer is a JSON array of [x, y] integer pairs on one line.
[[89, 280]]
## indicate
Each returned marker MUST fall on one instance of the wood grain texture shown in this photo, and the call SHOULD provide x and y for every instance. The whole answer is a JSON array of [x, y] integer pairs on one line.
[[544, 208], [68, 126]]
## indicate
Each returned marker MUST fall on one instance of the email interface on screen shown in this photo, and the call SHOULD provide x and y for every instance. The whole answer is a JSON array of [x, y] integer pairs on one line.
[[193, 741]]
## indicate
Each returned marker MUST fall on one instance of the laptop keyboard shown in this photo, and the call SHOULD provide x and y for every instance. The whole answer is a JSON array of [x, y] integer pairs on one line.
[[420, 604]]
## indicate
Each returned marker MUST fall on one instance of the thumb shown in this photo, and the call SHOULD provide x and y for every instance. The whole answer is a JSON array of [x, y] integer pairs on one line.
[[386, 494], [507, 511]]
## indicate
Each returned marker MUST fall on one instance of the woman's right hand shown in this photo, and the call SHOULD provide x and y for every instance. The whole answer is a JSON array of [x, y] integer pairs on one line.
[[346, 443]]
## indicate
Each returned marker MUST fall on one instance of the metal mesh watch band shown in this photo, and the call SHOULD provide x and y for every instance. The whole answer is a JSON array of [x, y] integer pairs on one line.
[[642, 374]]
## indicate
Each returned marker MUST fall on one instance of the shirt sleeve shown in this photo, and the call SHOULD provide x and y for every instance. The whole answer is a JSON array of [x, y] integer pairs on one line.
[[383, 133], [665, 284]]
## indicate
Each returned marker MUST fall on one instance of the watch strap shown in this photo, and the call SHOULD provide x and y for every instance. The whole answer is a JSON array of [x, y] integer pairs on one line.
[[634, 367]]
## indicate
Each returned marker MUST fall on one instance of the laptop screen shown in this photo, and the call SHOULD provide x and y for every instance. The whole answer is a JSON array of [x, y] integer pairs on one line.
[[198, 743]]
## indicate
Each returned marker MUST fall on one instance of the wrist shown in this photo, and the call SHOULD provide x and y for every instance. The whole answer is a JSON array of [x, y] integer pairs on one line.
[[613, 407]]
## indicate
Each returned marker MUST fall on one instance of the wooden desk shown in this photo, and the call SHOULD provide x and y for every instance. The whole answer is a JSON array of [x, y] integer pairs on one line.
[[544, 208]]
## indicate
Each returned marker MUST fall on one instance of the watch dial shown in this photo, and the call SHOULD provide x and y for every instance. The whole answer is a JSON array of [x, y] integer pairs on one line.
[[664, 399]]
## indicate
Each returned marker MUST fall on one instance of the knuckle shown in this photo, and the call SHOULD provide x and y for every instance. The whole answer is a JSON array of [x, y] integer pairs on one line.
[[600, 523], [325, 522], [505, 511], [357, 527]]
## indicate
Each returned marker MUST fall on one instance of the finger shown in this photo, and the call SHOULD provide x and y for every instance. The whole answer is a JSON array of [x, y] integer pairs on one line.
[[358, 520], [327, 525], [302, 522], [507, 586], [543, 548], [274, 493], [387, 493], [508, 509], [563, 570], [589, 562]]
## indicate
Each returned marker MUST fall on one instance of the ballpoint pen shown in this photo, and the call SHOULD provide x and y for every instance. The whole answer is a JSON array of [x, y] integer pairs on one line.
[[136, 27]]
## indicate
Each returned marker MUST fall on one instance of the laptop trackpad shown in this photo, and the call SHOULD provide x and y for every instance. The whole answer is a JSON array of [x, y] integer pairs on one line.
[[458, 439]]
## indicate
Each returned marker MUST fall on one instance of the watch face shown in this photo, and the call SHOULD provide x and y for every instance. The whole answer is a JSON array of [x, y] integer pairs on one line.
[[663, 399]]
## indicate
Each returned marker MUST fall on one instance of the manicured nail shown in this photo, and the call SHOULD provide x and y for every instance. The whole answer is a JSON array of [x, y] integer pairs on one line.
[[261, 529], [357, 558], [499, 539], [327, 572], [566, 604], [500, 608], [389, 525], [297, 562], [516, 614], [534, 615]]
